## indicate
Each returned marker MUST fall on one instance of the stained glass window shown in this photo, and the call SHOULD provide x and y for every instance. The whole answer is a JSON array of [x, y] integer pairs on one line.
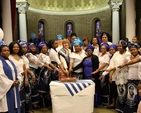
[[41, 29], [69, 29], [97, 28]]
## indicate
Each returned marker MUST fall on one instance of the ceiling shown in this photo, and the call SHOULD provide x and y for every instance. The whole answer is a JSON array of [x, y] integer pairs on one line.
[[67, 5]]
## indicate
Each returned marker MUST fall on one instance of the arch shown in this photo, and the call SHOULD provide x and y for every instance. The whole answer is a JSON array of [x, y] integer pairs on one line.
[[97, 28]]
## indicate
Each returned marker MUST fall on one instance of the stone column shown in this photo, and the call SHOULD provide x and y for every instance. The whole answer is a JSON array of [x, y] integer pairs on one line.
[[22, 8], [130, 19], [115, 6], [7, 21]]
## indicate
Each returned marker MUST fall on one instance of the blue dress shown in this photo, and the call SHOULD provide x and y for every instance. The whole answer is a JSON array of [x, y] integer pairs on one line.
[[87, 68]]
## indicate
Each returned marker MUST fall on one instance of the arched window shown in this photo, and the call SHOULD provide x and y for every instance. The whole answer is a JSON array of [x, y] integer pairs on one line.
[[41, 29], [69, 29], [97, 28]]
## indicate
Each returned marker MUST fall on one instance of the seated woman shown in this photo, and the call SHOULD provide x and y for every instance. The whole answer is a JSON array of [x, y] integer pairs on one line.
[[9, 83]]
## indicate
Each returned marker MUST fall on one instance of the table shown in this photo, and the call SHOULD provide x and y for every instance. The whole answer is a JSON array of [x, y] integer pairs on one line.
[[72, 97]]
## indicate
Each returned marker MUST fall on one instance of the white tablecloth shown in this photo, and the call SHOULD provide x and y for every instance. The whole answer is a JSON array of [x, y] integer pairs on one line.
[[72, 97]]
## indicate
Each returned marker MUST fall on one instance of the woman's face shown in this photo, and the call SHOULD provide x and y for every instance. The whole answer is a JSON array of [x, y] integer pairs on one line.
[[66, 45], [134, 51], [24, 49], [89, 52], [55, 44], [85, 42], [16, 48], [103, 49], [104, 38], [134, 40], [120, 47], [77, 48], [112, 51], [32, 48], [94, 41], [5, 52], [59, 41], [44, 49]]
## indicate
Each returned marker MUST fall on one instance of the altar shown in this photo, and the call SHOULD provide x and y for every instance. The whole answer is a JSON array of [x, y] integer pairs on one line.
[[72, 97]]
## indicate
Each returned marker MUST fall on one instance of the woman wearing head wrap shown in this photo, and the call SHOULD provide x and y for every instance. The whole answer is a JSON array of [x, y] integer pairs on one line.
[[89, 64], [76, 57], [109, 89], [120, 75], [103, 64], [59, 38], [9, 89], [45, 74], [34, 65], [105, 37], [95, 43], [134, 76], [15, 56], [31, 77]]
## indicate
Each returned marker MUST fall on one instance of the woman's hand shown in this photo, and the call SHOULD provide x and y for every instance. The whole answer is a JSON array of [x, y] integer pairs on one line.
[[16, 82], [121, 66], [110, 79], [96, 71], [101, 77], [26, 82], [33, 78]]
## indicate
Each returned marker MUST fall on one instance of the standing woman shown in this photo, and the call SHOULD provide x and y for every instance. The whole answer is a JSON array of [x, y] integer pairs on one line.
[[89, 64], [53, 54], [133, 80], [64, 54], [15, 56], [9, 93], [94, 43], [76, 57], [120, 75], [31, 77], [103, 64], [106, 38]]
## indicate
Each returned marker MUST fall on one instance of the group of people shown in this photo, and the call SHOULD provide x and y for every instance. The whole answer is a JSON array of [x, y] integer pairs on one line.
[[27, 70]]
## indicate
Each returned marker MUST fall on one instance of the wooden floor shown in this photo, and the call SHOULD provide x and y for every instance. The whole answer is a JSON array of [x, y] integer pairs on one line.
[[96, 110]]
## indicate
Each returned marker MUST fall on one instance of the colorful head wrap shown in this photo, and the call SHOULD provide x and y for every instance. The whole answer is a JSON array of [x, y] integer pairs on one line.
[[133, 45], [123, 43], [41, 44], [90, 47], [113, 46], [2, 42], [22, 43], [77, 41], [59, 36], [106, 45]]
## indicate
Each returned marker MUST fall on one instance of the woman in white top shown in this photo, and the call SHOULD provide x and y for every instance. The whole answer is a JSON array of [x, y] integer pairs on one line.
[[103, 64], [96, 46], [120, 75], [15, 56], [31, 77], [53, 54], [133, 80], [9, 91], [76, 57]]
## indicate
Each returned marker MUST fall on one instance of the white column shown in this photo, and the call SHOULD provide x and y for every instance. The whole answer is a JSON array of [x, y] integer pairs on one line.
[[22, 8], [7, 21], [130, 19], [115, 20]]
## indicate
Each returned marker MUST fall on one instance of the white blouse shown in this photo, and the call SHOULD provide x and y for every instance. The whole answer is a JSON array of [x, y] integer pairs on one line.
[[26, 61], [133, 70], [44, 58], [96, 51], [120, 75], [104, 59], [33, 61], [76, 59], [54, 56]]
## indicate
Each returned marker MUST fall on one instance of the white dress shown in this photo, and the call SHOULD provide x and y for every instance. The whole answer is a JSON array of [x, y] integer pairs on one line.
[[5, 85], [76, 59], [120, 75], [19, 66], [44, 58]]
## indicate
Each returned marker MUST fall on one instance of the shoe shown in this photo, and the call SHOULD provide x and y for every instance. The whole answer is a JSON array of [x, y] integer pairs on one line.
[[36, 107]]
